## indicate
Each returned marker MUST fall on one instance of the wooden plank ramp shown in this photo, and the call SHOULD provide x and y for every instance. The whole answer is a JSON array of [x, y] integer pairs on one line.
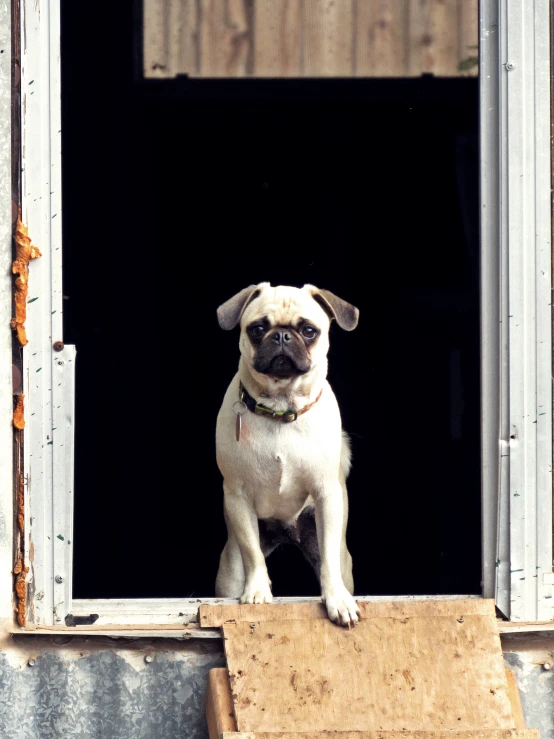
[[408, 668], [221, 717], [385, 674]]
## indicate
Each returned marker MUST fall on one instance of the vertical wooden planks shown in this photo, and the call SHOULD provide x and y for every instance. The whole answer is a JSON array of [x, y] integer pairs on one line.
[[224, 38], [328, 38], [155, 53], [444, 22], [182, 37], [310, 38], [380, 38], [433, 37], [278, 38], [468, 37]]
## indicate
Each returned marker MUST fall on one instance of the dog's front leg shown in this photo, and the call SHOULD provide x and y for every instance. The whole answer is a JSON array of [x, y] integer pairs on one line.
[[329, 512], [242, 524]]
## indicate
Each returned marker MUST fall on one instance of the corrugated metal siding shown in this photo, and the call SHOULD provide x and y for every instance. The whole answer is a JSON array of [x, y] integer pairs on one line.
[[310, 38], [106, 693], [526, 655], [89, 689]]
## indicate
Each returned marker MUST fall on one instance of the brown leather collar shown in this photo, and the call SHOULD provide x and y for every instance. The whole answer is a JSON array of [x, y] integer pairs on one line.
[[261, 410]]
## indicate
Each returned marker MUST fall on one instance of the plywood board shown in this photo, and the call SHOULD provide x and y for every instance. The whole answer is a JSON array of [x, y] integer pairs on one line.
[[212, 616], [389, 673]]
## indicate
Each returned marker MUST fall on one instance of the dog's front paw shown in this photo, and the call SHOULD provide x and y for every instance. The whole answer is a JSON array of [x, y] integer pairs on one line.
[[342, 609], [257, 590]]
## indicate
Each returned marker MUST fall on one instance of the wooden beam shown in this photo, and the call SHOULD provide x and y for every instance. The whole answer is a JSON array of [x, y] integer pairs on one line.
[[219, 704]]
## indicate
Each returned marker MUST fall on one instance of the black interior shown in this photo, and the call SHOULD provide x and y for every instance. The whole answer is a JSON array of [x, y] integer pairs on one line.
[[177, 195]]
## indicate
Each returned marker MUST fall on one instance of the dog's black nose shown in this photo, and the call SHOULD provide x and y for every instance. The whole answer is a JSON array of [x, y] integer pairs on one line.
[[282, 337]]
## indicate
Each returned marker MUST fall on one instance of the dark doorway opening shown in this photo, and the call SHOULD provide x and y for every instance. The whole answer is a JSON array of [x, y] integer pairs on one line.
[[177, 195]]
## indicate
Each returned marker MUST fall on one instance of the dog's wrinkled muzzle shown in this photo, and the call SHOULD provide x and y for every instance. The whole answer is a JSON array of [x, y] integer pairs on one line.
[[282, 366], [282, 354]]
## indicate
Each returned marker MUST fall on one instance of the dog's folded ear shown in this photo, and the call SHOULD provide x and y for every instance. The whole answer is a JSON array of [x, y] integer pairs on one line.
[[346, 315], [230, 313]]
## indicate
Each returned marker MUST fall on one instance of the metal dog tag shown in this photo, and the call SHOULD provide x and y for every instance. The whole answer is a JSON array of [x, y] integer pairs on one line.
[[239, 409]]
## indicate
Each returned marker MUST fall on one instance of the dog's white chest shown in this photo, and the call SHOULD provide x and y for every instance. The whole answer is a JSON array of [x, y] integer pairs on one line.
[[279, 467], [289, 479], [269, 464], [277, 482], [283, 469]]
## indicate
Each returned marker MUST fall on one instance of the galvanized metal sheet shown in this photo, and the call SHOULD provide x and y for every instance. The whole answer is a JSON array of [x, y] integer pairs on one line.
[[107, 694], [91, 690]]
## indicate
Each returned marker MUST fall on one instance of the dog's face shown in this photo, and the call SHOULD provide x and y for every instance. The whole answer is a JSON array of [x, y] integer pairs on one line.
[[285, 330]]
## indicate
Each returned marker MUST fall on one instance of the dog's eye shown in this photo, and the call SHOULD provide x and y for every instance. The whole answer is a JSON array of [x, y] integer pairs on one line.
[[257, 331], [309, 332]]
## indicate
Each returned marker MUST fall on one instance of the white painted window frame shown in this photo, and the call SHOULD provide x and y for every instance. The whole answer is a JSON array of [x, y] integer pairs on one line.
[[6, 313], [515, 228], [516, 314]]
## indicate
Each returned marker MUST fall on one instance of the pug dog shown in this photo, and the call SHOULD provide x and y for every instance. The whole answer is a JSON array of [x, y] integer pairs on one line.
[[280, 445]]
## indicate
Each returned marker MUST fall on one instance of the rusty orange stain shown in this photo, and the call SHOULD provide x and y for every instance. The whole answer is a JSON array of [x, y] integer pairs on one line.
[[18, 414], [20, 570], [24, 252]]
